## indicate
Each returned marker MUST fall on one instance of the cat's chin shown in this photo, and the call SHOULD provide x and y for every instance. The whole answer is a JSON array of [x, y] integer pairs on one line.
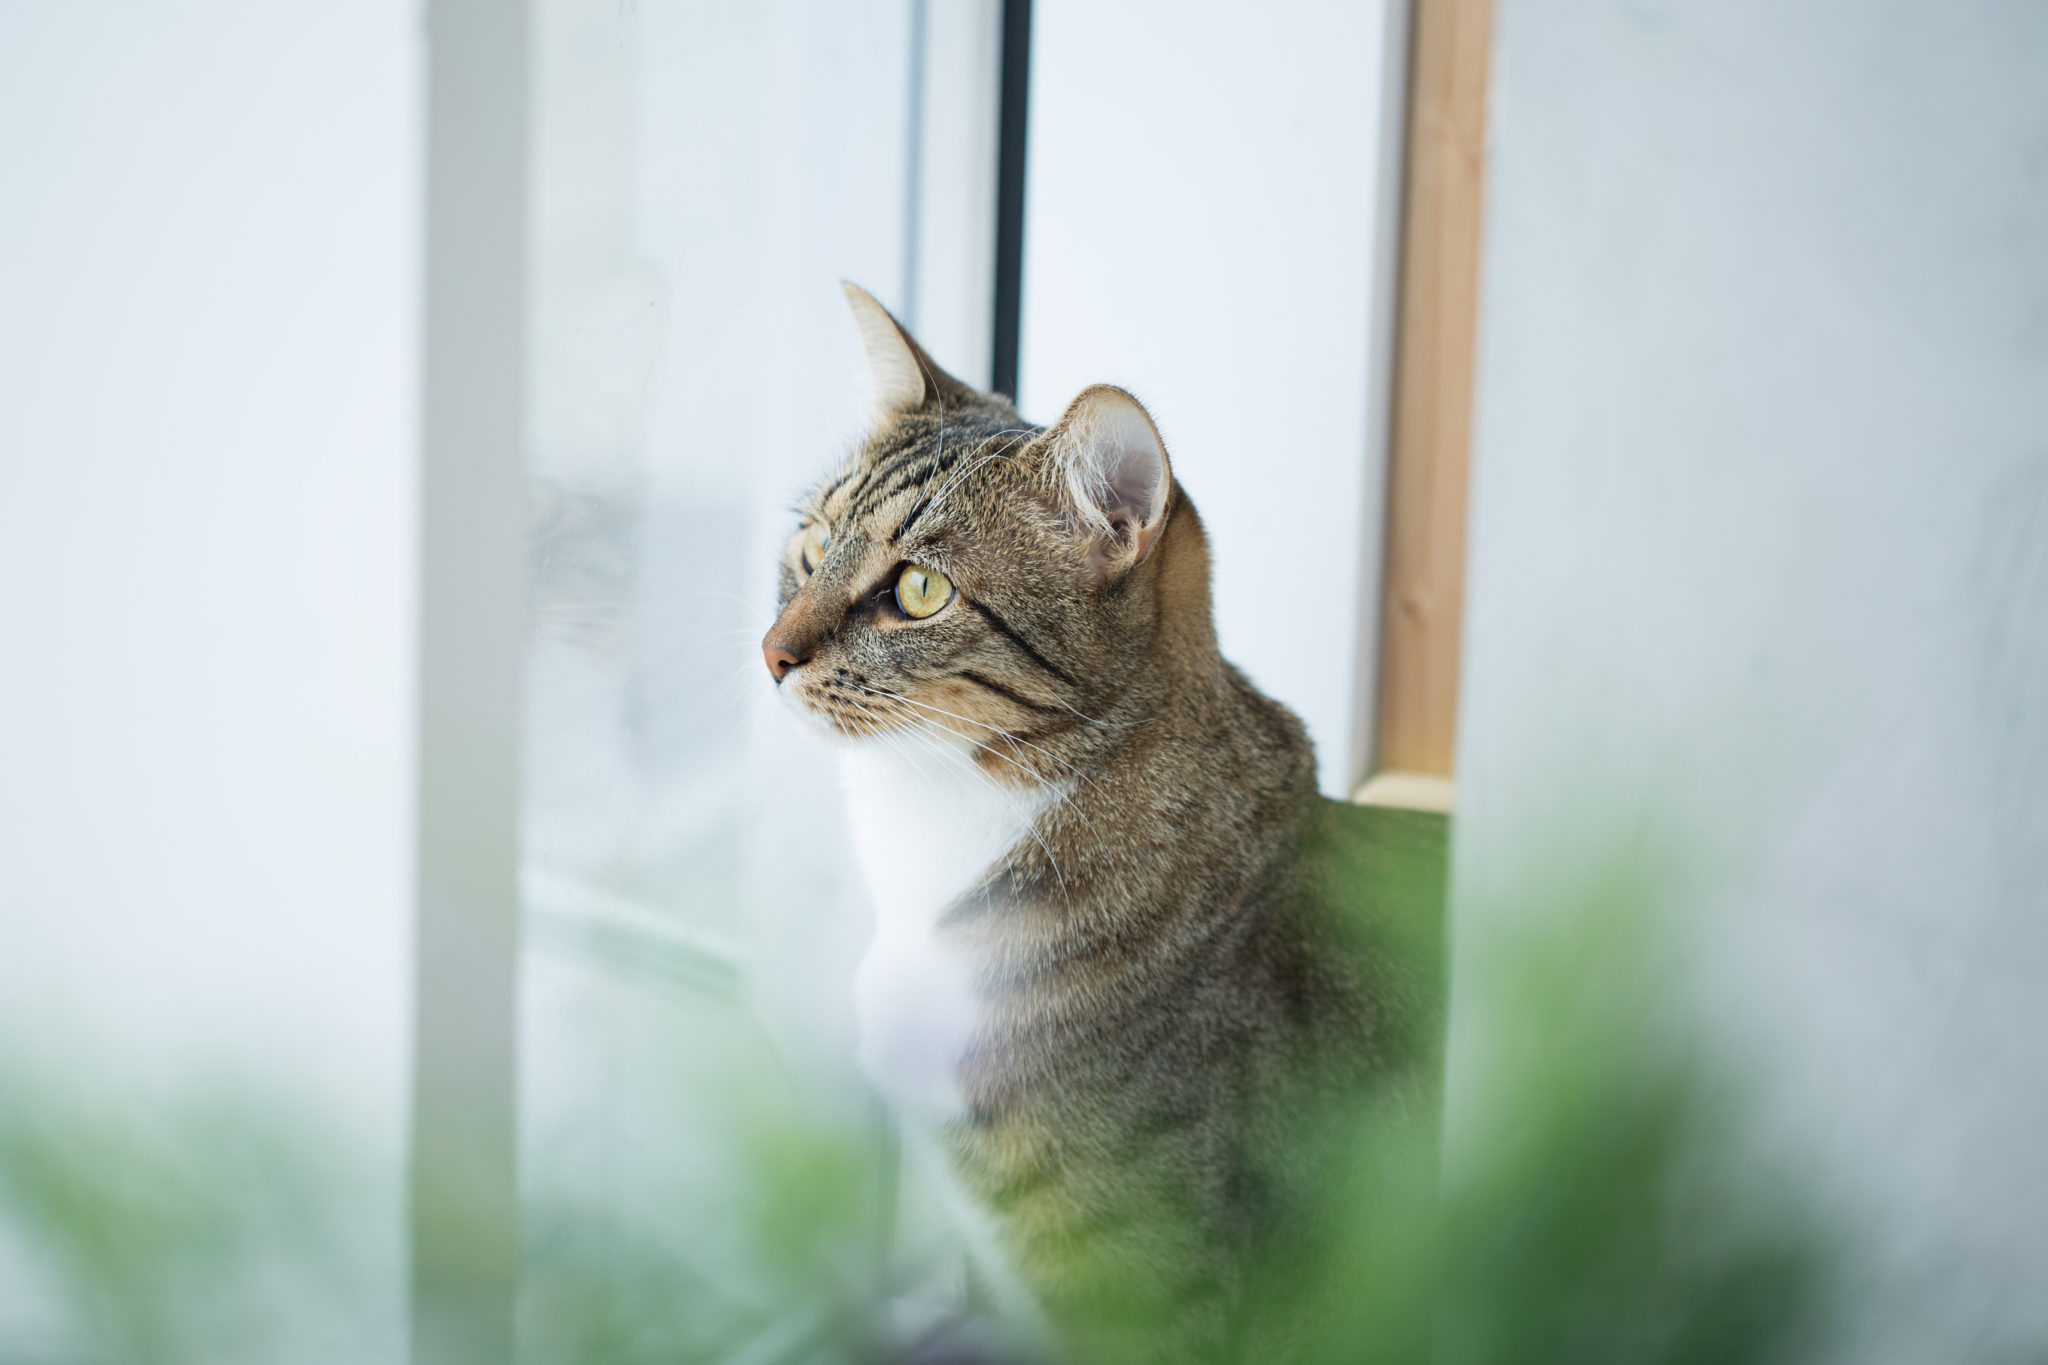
[[821, 726], [815, 725]]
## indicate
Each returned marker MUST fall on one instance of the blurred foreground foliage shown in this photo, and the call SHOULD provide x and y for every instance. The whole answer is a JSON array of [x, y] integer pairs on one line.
[[787, 1274], [1597, 1202], [206, 1226], [1605, 1200]]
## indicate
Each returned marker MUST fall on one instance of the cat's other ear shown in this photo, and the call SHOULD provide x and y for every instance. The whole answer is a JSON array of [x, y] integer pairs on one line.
[[901, 377], [1108, 468]]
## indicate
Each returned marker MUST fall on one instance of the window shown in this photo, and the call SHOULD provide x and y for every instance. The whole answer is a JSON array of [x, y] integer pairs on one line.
[[659, 217]]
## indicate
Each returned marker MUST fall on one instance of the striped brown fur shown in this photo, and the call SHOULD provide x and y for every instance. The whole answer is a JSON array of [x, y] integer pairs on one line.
[[1197, 959]]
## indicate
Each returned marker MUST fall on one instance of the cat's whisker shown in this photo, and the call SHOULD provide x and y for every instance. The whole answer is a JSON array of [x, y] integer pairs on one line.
[[911, 734], [995, 730], [912, 718], [969, 468], [1077, 711], [968, 720], [735, 642], [872, 716], [1063, 798], [854, 709], [1016, 433], [1083, 715], [920, 730], [741, 679], [748, 602]]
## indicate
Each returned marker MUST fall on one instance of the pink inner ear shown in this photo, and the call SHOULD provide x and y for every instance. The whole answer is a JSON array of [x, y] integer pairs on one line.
[[1133, 478], [1133, 495], [1134, 498], [1132, 528], [1114, 469]]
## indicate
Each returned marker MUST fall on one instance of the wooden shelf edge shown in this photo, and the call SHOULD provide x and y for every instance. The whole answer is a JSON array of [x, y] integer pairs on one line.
[[1408, 791]]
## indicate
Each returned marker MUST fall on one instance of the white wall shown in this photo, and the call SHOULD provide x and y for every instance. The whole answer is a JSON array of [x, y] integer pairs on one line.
[[1759, 543], [207, 425], [1210, 201]]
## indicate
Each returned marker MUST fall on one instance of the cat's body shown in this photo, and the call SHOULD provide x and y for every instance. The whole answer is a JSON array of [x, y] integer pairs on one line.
[[1128, 961]]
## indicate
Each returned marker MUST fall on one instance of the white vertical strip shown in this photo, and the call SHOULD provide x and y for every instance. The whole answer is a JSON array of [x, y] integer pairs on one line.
[[1383, 313], [953, 232], [465, 1213], [913, 155]]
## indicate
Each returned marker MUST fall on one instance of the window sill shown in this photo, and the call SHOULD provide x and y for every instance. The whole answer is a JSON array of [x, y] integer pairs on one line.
[[1408, 791]]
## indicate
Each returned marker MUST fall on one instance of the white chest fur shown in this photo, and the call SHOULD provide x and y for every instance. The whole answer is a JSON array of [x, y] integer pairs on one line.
[[927, 824]]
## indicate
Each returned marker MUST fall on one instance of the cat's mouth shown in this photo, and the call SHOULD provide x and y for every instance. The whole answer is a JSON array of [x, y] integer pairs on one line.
[[853, 708], [846, 708], [857, 712]]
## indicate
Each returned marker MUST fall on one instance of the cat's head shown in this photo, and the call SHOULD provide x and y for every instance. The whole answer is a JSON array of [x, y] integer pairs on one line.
[[983, 581]]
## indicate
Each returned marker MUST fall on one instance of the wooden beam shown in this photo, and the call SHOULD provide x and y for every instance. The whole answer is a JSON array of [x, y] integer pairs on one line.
[[1422, 607]]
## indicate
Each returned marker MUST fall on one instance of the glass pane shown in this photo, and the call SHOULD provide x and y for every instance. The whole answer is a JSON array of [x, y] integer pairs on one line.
[[703, 1176]]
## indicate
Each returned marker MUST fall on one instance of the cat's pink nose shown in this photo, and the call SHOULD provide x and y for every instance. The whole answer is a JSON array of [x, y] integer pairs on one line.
[[780, 660]]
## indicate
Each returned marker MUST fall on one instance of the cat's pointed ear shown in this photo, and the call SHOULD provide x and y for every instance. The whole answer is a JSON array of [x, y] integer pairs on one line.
[[1108, 467], [901, 377]]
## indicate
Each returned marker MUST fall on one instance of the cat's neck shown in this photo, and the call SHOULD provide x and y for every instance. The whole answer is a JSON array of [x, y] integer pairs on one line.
[[927, 826], [928, 821]]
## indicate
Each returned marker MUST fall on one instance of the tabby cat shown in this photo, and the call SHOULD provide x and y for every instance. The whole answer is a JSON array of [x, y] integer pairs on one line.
[[1131, 971]]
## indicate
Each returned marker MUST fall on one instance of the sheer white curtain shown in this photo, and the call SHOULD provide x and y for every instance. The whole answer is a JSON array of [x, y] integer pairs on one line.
[[704, 175], [208, 372]]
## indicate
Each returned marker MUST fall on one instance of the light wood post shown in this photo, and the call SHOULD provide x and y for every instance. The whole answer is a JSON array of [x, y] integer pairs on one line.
[[1432, 413]]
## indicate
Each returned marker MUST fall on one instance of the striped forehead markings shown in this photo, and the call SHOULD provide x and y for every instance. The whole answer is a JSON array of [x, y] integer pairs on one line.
[[887, 481], [825, 496], [940, 466], [890, 480], [865, 474], [918, 508], [872, 486]]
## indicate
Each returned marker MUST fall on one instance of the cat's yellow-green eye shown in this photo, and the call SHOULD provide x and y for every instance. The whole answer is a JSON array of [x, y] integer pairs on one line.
[[921, 590], [816, 538]]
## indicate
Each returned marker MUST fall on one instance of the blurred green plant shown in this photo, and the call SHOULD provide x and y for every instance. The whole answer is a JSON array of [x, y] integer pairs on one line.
[[787, 1272], [209, 1226], [1598, 1203], [1605, 1201]]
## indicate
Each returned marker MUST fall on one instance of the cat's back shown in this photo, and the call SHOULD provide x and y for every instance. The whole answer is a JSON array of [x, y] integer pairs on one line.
[[1334, 933], [1344, 979]]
